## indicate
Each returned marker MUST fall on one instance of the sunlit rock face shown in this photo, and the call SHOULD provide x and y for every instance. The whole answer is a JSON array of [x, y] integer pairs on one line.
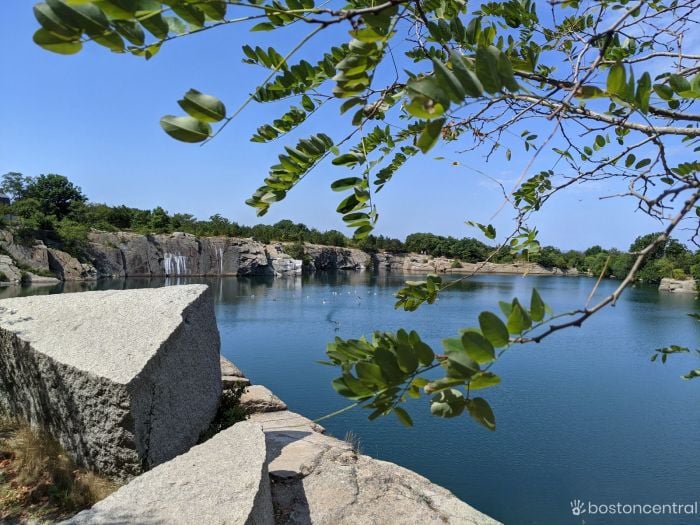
[[125, 380]]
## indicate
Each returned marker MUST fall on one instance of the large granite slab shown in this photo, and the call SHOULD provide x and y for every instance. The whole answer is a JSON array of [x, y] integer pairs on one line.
[[125, 380], [223, 481]]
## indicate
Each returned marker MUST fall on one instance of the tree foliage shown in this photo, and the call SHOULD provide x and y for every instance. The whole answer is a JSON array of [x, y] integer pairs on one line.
[[610, 86]]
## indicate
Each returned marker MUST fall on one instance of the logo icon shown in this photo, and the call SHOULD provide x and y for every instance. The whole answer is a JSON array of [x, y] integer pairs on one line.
[[577, 507]]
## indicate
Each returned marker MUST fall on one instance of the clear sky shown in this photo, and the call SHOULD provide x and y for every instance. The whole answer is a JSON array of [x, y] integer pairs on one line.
[[93, 117]]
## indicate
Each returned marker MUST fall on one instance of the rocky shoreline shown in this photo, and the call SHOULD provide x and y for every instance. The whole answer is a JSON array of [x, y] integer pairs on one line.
[[127, 254], [130, 383]]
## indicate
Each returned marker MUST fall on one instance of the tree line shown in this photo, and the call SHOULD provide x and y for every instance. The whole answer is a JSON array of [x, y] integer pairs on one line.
[[50, 207]]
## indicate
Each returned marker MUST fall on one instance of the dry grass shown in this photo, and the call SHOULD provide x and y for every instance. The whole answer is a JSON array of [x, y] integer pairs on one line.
[[38, 480], [353, 440]]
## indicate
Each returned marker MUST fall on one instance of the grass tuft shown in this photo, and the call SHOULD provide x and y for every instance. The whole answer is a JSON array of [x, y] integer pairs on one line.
[[38, 480]]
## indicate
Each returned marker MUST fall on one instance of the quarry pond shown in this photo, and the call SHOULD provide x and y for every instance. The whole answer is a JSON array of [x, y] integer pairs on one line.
[[584, 415]]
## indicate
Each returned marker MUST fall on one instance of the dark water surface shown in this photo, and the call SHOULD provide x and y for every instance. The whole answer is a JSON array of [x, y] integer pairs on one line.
[[583, 415]]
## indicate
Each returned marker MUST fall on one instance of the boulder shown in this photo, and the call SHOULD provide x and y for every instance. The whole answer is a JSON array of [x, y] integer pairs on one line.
[[224, 481], [257, 398], [317, 479], [231, 375], [9, 273], [34, 279], [337, 258], [35, 256], [125, 380], [68, 268], [678, 286]]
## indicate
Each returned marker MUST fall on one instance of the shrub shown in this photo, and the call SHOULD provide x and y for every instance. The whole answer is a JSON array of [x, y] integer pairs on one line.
[[678, 274], [456, 264]]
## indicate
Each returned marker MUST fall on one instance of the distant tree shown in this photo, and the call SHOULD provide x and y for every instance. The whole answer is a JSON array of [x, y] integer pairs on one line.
[[218, 225], [14, 185], [54, 193], [160, 220]]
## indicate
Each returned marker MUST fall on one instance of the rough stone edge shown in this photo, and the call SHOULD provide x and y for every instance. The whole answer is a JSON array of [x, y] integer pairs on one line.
[[261, 512]]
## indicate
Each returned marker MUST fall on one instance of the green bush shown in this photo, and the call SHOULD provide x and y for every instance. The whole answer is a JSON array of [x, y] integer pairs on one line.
[[678, 274], [456, 264]]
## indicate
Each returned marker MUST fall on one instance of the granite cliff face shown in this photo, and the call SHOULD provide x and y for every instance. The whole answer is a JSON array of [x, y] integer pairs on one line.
[[127, 254], [678, 286], [413, 262]]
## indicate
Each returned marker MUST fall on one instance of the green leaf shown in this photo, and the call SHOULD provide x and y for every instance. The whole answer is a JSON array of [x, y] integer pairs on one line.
[[263, 26], [52, 23], [493, 329], [617, 81], [466, 76], [643, 92], [307, 103], [156, 25], [518, 320], [487, 68], [692, 374], [430, 88], [370, 373], [345, 184], [478, 348], [483, 380], [505, 307], [214, 9], [430, 135], [407, 359], [203, 107], [663, 91], [448, 82], [131, 31], [537, 306], [185, 129], [481, 411], [447, 403], [679, 83], [56, 44], [189, 13], [505, 70], [442, 384], [403, 416], [86, 16], [591, 92]]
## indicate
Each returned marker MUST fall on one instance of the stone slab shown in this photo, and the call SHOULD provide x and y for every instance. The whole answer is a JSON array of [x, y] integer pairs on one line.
[[229, 369], [317, 479], [123, 379], [221, 482], [257, 398]]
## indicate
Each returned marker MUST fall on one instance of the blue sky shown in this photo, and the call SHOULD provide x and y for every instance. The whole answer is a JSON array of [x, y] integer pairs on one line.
[[93, 117]]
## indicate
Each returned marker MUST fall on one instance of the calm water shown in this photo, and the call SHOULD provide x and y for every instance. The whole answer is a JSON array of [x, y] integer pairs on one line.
[[584, 414]]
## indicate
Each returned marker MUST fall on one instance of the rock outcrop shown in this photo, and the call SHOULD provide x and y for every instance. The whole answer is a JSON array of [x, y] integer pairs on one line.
[[337, 258], [127, 254], [68, 268], [257, 398], [418, 263], [125, 380], [34, 256], [678, 286], [9, 273], [222, 481], [317, 479]]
